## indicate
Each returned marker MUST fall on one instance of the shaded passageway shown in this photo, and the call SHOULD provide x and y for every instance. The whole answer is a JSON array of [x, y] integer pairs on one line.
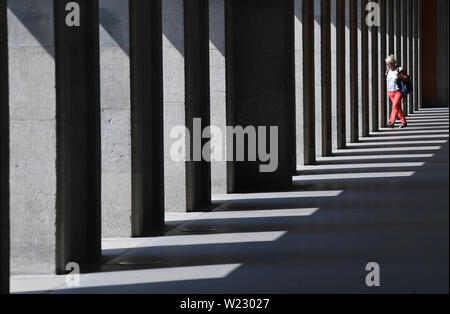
[[384, 200]]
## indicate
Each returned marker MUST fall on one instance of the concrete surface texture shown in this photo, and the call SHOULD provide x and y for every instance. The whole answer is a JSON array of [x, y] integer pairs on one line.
[[384, 200], [32, 136], [115, 112]]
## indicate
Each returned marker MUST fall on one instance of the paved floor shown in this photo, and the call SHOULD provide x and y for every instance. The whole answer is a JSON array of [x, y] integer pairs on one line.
[[383, 200]]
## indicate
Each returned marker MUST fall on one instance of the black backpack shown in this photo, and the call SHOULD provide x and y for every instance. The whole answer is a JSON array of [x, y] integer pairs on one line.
[[404, 85]]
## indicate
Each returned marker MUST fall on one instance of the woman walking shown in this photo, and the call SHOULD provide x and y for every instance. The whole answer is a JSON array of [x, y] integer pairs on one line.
[[394, 92]]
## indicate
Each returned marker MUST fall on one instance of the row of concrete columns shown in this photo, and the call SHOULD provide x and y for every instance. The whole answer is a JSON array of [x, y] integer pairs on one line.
[[80, 99]]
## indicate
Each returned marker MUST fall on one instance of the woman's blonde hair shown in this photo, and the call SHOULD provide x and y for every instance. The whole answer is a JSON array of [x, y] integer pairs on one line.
[[391, 59]]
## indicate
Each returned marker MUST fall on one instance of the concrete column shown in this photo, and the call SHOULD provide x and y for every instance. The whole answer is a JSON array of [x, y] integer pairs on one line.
[[299, 117], [391, 26], [326, 96], [375, 68], [365, 113], [78, 136], [260, 82], [174, 101], [419, 52], [391, 46], [32, 136], [348, 61], [317, 78], [218, 88], [398, 32], [442, 22], [4, 154], [383, 54], [340, 74], [146, 117], [309, 133], [416, 55], [334, 76], [354, 72], [398, 36], [198, 170], [411, 52], [405, 46], [115, 117]]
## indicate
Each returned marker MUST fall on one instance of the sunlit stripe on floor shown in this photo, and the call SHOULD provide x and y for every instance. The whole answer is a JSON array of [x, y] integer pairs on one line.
[[430, 119], [277, 195], [149, 276], [371, 157], [33, 283], [412, 127], [388, 149], [346, 176], [433, 109], [221, 238], [362, 166], [434, 114], [427, 117], [395, 143], [405, 131], [441, 125], [435, 120], [402, 137], [413, 123], [263, 213]]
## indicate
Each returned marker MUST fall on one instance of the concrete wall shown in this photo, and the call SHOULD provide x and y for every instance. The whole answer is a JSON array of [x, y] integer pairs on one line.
[[298, 28], [33, 136], [174, 100], [115, 117], [4, 154], [218, 88]]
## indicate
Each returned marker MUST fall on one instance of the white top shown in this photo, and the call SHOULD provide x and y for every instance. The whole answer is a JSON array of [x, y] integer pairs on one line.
[[391, 77]]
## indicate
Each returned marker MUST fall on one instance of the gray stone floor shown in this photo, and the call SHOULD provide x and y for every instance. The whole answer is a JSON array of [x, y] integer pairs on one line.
[[383, 200]]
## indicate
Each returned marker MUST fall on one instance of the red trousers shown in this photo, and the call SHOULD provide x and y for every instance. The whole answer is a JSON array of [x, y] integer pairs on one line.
[[397, 110]]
